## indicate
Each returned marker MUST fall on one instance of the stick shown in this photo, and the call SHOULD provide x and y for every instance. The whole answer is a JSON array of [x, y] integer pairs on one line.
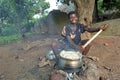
[[89, 41]]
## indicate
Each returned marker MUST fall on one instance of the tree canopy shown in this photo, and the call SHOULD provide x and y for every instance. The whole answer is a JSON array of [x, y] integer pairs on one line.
[[20, 12]]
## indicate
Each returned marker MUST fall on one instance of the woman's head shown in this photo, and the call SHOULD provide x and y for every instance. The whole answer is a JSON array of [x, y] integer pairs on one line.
[[73, 17]]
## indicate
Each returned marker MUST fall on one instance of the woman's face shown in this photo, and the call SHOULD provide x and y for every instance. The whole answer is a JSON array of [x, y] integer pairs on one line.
[[73, 18]]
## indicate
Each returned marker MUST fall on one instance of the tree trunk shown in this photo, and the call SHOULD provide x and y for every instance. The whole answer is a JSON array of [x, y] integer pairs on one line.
[[85, 8]]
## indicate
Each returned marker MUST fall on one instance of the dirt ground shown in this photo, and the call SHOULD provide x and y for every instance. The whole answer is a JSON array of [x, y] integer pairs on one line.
[[19, 61]]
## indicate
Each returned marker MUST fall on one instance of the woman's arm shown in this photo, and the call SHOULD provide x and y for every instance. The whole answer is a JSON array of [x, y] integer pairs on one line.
[[92, 29], [103, 27], [79, 48]]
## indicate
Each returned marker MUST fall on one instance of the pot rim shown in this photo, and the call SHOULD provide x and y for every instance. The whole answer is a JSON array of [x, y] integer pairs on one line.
[[70, 59]]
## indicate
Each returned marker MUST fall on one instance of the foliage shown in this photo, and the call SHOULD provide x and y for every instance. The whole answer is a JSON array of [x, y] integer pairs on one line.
[[100, 3], [16, 16], [12, 38], [9, 30], [111, 4], [19, 13], [9, 39], [11, 9]]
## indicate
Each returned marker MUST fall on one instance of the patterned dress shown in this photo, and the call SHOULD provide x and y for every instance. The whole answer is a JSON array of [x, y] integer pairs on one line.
[[75, 35]]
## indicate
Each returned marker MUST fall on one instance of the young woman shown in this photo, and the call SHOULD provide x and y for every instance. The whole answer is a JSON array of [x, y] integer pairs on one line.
[[71, 34]]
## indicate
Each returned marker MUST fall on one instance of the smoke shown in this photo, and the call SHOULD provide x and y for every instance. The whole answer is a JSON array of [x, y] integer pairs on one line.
[[66, 8]]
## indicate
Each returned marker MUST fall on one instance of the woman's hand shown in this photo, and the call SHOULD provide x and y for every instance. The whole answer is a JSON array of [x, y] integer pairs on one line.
[[104, 27], [63, 31], [80, 48]]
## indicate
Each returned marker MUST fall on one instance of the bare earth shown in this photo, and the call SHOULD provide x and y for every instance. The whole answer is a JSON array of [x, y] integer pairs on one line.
[[19, 61]]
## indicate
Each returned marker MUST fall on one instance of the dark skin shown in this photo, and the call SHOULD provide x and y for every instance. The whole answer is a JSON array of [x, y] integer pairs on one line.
[[74, 21]]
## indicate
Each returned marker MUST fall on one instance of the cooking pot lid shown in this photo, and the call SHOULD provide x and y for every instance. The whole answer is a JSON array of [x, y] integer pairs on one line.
[[71, 55]]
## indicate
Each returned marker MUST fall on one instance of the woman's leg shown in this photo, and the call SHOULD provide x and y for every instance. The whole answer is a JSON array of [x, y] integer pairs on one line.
[[57, 46], [55, 49]]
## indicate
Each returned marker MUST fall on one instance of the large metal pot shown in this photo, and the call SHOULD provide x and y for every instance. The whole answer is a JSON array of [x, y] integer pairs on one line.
[[70, 64]]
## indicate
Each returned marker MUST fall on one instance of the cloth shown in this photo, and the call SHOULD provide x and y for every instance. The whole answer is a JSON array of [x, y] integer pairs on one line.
[[76, 35], [63, 44]]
